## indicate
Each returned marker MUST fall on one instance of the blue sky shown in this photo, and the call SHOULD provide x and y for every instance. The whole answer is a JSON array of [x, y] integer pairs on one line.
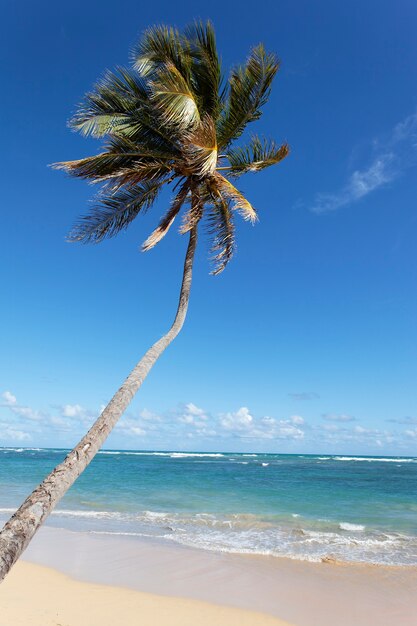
[[308, 341]]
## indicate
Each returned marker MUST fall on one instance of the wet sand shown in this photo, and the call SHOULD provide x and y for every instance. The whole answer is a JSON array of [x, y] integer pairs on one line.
[[301, 593]]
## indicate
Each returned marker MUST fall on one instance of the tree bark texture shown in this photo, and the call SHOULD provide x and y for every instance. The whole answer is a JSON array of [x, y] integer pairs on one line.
[[19, 530]]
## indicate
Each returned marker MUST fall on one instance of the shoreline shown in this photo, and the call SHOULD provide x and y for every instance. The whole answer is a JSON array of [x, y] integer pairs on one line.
[[299, 592]]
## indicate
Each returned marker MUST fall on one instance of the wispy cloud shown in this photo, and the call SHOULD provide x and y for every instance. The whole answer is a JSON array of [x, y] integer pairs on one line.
[[342, 417], [392, 155], [404, 420], [304, 395]]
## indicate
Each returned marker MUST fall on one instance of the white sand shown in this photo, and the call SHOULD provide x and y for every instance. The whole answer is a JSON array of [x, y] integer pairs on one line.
[[33, 595], [304, 594]]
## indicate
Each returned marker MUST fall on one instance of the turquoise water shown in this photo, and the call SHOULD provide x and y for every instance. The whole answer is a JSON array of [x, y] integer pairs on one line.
[[301, 506]]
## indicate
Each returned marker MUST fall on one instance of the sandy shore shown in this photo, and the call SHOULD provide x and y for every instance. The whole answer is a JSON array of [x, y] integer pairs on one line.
[[34, 595], [163, 583]]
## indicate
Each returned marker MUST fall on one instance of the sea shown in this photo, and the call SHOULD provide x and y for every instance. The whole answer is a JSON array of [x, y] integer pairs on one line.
[[306, 507]]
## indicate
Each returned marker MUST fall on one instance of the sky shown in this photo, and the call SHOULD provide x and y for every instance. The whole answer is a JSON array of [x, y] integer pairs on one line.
[[307, 343]]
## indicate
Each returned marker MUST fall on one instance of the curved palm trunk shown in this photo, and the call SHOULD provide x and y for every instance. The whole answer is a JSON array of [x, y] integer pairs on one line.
[[21, 527]]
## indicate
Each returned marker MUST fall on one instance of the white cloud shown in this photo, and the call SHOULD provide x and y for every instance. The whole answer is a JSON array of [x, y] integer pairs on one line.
[[149, 415], [73, 410], [392, 155], [241, 420], [136, 430], [10, 401], [331, 428], [240, 429], [192, 414], [130, 427], [288, 432], [13, 434], [192, 409], [9, 398], [27, 412], [242, 424]]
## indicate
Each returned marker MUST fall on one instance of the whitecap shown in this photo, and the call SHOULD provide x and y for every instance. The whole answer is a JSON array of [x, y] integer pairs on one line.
[[377, 458], [348, 526]]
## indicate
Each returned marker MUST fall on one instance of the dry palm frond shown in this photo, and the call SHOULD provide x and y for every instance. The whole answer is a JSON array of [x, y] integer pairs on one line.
[[199, 148], [166, 222], [237, 199], [221, 227]]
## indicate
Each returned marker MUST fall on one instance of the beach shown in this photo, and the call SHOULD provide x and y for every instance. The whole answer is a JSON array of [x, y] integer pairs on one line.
[[39, 596], [172, 538], [70, 576]]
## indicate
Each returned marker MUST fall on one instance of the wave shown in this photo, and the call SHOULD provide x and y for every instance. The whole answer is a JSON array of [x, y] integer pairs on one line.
[[353, 527], [294, 537], [172, 455], [376, 458], [22, 449]]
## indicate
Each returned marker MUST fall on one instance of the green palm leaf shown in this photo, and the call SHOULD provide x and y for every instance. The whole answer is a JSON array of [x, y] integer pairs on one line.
[[173, 98], [249, 88], [114, 212], [108, 165], [258, 155], [159, 46], [205, 68], [110, 106]]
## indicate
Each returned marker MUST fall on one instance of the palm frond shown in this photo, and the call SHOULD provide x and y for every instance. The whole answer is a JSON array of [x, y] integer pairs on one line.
[[159, 46], [146, 129], [109, 107], [205, 67], [173, 98], [256, 156], [124, 144], [107, 166], [199, 148], [249, 88], [237, 199], [114, 212], [221, 227], [166, 222]]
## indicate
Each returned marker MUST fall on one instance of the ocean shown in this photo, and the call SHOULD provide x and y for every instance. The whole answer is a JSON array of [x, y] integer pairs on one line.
[[307, 507]]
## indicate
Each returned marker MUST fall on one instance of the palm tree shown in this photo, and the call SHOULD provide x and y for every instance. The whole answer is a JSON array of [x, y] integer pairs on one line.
[[168, 120]]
